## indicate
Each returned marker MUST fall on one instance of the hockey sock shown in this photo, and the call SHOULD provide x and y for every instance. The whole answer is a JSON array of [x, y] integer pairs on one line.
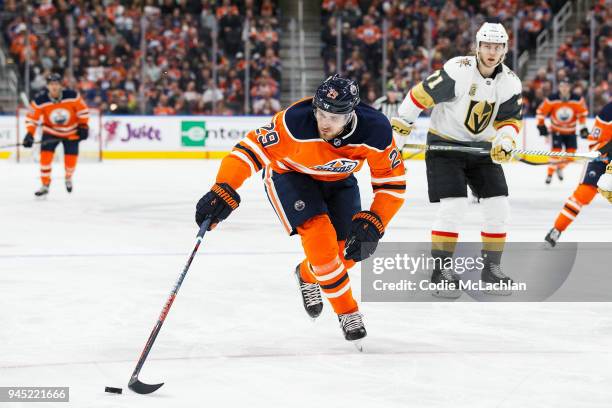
[[46, 157], [493, 246], [552, 167], [70, 161], [321, 249], [306, 269], [306, 272], [443, 245], [582, 196]]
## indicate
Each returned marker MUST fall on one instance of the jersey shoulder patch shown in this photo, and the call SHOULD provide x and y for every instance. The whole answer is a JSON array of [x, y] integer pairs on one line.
[[575, 98], [42, 98], [300, 122], [513, 82], [460, 67], [373, 128], [606, 113], [69, 94]]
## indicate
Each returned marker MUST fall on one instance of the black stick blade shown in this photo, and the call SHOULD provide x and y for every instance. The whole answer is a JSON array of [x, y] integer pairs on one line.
[[141, 388]]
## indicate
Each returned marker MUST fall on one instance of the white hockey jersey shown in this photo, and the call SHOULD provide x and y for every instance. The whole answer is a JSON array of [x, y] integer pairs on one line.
[[466, 106]]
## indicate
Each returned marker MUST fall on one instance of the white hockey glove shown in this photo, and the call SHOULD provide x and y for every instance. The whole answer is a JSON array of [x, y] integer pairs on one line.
[[604, 185], [401, 130], [501, 151]]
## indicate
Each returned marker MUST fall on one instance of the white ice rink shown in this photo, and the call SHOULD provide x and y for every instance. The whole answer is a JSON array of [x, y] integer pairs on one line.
[[83, 278]]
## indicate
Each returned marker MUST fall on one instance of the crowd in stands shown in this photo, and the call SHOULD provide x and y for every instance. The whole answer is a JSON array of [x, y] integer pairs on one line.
[[178, 70], [574, 63], [179, 77], [453, 26]]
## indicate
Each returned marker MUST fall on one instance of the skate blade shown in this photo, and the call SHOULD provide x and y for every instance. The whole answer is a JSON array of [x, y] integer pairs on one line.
[[447, 294], [358, 345]]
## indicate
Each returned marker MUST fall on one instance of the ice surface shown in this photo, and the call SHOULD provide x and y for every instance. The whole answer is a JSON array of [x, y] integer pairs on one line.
[[84, 276]]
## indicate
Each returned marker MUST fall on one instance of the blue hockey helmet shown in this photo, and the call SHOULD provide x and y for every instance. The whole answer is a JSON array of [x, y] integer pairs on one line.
[[54, 77], [337, 95]]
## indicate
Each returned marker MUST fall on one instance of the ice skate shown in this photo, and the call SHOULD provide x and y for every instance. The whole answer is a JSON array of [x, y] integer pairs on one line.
[[548, 179], [42, 191], [492, 274], [559, 172], [353, 328], [450, 281], [311, 295], [69, 185], [552, 237]]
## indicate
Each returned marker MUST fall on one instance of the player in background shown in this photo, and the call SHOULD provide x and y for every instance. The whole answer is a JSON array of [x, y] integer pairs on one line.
[[567, 112], [476, 101], [389, 103], [600, 139], [308, 155], [65, 118]]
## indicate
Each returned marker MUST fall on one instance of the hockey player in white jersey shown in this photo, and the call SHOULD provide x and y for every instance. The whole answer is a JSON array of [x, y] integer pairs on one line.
[[476, 101]]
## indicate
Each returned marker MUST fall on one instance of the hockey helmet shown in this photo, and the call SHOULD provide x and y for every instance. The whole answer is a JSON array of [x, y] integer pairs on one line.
[[337, 95], [54, 77], [492, 33]]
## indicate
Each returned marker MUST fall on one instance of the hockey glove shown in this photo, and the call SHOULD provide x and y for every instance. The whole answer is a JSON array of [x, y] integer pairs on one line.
[[584, 133], [501, 151], [604, 185], [28, 141], [401, 128], [83, 132], [217, 204], [543, 130], [366, 230]]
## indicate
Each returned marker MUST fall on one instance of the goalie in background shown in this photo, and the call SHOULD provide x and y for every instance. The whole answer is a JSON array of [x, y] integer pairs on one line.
[[64, 118], [567, 111], [601, 139], [476, 101]]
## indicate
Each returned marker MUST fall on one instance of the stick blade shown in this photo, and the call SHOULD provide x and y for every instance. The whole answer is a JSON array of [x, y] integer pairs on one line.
[[141, 388]]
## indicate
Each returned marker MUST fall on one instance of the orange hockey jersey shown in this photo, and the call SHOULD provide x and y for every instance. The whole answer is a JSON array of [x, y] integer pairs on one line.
[[602, 129], [292, 143], [59, 118], [564, 114]]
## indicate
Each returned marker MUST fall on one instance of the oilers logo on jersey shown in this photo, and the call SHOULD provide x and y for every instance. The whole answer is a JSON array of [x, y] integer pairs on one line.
[[338, 166], [59, 116], [564, 114]]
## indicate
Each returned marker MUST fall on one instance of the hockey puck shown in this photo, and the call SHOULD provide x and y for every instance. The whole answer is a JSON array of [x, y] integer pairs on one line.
[[113, 390]]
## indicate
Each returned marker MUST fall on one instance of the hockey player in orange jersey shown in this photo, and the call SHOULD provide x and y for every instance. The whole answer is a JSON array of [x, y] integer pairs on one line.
[[308, 155], [567, 111], [64, 117], [601, 138]]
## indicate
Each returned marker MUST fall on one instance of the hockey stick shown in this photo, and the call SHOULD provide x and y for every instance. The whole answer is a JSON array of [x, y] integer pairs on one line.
[[546, 163], [464, 149], [594, 155], [135, 384], [40, 142]]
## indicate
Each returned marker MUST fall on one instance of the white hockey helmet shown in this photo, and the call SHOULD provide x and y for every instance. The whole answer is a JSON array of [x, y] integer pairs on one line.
[[492, 33]]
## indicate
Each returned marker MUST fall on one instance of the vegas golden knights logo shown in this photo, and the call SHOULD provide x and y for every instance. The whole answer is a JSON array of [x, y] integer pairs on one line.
[[479, 116]]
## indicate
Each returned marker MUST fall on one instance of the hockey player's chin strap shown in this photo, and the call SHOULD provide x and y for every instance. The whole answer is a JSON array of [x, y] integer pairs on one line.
[[348, 130]]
